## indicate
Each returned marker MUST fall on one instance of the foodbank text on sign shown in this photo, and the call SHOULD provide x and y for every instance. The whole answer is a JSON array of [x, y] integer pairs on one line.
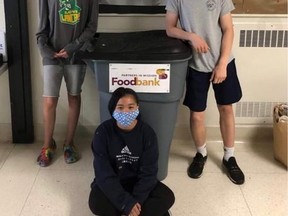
[[150, 78]]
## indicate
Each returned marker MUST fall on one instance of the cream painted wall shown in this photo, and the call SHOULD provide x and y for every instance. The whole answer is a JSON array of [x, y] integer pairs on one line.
[[2, 16], [89, 118]]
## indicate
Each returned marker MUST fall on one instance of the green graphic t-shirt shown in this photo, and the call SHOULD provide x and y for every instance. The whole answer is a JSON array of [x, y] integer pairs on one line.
[[65, 24], [69, 12]]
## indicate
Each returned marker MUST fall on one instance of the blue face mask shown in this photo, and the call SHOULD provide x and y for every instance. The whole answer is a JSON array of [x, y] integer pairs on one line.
[[125, 119]]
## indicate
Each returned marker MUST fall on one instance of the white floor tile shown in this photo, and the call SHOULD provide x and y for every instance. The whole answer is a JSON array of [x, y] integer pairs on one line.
[[58, 193], [63, 189], [17, 177], [212, 194], [266, 194]]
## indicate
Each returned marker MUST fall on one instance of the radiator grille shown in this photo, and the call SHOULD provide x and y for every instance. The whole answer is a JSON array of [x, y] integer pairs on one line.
[[263, 38], [255, 109]]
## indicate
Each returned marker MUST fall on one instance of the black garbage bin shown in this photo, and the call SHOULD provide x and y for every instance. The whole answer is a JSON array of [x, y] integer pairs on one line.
[[138, 49]]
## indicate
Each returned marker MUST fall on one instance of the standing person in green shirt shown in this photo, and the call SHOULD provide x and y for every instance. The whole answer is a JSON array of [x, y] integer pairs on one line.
[[65, 27], [207, 26]]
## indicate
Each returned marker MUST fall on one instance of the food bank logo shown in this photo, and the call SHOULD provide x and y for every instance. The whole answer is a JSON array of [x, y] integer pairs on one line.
[[161, 73], [141, 79]]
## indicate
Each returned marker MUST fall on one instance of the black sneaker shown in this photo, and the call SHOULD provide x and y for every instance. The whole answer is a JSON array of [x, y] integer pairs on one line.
[[168, 213], [196, 167], [234, 172]]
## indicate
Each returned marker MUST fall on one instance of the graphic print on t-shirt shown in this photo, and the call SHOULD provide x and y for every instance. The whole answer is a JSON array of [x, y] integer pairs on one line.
[[211, 5], [69, 12], [126, 156]]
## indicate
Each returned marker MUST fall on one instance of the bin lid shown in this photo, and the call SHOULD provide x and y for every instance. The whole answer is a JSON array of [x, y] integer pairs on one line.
[[152, 45]]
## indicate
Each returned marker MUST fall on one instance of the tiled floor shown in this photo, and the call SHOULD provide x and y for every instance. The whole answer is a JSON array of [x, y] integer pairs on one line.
[[62, 190]]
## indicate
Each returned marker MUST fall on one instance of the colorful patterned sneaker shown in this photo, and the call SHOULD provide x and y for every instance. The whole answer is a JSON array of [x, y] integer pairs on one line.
[[234, 172], [46, 155], [196, 167], [70, 154]]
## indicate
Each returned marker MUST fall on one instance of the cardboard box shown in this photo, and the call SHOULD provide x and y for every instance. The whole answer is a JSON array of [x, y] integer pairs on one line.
[[280, 137]]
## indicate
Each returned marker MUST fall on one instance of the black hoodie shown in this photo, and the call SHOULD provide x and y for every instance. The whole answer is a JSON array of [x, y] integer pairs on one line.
[[125, 158]]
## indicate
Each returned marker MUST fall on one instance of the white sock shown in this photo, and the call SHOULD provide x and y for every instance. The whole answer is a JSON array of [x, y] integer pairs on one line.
[[202, 150], [228, 152]]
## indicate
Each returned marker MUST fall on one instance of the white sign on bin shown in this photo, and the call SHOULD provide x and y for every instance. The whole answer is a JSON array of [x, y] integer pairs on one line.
[[146, 78]]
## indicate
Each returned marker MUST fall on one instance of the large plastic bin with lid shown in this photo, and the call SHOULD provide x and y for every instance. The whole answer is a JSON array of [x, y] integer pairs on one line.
[[141, 49]]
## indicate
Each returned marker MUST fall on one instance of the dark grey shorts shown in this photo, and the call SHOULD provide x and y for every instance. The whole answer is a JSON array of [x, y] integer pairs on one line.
[[198, 83], [53, 74]]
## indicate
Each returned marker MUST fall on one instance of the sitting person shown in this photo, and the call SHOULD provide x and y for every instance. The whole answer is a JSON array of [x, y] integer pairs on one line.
[[126, 163]]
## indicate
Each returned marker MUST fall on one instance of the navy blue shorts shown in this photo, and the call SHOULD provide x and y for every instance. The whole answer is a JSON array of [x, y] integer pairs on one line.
[[198, 83]]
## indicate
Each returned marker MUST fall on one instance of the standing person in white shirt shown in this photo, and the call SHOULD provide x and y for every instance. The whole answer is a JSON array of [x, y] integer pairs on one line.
[[207, 26]]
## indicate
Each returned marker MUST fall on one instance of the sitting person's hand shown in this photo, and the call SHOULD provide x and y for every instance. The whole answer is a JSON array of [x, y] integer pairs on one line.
[[135, 211]]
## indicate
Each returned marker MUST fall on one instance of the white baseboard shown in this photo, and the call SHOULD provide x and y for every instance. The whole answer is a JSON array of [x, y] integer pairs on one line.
[[247, 133], [250, 133], [5, 133]]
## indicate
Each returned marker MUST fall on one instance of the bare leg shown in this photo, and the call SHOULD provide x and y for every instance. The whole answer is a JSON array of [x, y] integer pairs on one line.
[[73, 116], [49, 115], [227, 124], [197, 127], [198, 131], [227, 127]]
